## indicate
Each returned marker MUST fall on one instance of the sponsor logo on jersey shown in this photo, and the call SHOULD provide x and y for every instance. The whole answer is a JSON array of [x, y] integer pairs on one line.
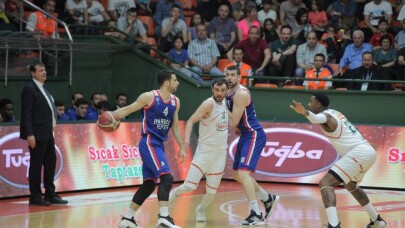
[[292, 152], [222, 127], [15, 161]]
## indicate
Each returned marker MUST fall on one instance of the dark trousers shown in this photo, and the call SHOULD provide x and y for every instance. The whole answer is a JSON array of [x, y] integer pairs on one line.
[[287, 69], [42, 155]]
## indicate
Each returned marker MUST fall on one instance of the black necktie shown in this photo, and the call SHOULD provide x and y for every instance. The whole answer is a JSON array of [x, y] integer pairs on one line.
[[51, 102], [317, 72]]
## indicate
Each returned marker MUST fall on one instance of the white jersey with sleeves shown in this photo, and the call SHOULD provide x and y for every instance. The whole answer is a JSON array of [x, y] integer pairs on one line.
[[346, 136], [213, 131]]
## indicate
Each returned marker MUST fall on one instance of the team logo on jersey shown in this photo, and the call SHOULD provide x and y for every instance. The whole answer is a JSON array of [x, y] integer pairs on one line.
[[162, 164], [292, 152]]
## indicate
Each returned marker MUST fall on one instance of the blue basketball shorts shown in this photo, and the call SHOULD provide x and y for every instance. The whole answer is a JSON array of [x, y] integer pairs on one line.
[[250, 147]]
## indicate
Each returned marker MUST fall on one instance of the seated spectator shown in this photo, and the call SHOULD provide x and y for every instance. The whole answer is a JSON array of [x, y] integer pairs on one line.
[[103, 106], [340, 8], [245, 69], [368, 71], [256, 53], [203, 53], [71, 112], [132, 26], [317, 17], [288, 10], [382, 30], [103, 97], [3, 17], [401, 14], [119, 8], [401, 64], [249, 21], [180, 54], [266, 12], [318, 71], [269, 31], [172, 27], [78, 15], [163, 11], [97, 16], [222, 30], [195, 20], [112, 31], [373, 12], [6, 111], [92, 112], [238, 9], [39, 22], [283, 52], [60, 111], [81, 106], [121, 100], [386, 56], [300, 26], [306, 53], [14, 10], [400, 37], [209, 8], [328, 39]]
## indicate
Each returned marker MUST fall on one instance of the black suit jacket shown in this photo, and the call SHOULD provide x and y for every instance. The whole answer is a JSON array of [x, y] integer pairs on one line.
[[36, 115], [378, 73]]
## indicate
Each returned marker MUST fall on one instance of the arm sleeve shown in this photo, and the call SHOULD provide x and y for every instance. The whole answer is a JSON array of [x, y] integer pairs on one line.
[[319, 118]]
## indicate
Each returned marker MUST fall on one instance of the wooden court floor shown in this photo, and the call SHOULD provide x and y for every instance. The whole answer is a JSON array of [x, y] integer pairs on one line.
[[300, 206]]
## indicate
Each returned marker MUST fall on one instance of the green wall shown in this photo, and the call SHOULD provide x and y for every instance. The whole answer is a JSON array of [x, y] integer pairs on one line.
[[133, 72]]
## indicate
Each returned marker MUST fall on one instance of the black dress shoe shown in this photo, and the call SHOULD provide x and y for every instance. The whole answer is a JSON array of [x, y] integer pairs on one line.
[[39, 202], [56, 200]]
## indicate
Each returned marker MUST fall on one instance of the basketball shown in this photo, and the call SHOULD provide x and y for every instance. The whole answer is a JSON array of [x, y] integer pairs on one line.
[[108, 121]]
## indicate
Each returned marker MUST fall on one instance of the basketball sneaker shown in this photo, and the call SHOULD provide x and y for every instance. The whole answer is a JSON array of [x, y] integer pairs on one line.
[[128, 223], [270, 204], [172, 197], [200, 214], [337, 226], [166, 222], [252, 220], [379, 223]]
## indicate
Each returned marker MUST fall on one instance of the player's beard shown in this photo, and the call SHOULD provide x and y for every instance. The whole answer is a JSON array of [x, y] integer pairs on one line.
[[219, 99]]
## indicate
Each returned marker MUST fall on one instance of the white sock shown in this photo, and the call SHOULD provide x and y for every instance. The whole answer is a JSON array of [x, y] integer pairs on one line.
[[164, 211], [207, 199], [130, 213], [255, 206], [331, 212], [371, 212], [263, 195]]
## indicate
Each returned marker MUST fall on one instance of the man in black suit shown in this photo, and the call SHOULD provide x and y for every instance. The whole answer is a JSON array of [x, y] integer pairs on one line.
[[368, 71], [38, 117]]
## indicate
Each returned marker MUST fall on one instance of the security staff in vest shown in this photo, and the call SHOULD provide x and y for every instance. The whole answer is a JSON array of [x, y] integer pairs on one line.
[[39, 22], [318, 71]]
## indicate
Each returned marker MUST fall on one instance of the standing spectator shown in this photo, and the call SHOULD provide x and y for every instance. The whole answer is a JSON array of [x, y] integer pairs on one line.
[[256, 53], [340, 8], [375, 40], [6, 111], [180, 54], [195, 20], [97, 16], [249, 21], [269, 31], [39, 22], [203, 53], [400, 37], [306, 53], [317, 17], [38, 117], [245, 69], [222, 30], [71, 112], [172, 27], [119, 8], [283, 52], [163, 11], [266, 12], [288, 10], [238, 9], [300, 26], [77, 10], [386, 56], [60, 111], [376, 10], [92, 113], [318, 71], [130, 24]]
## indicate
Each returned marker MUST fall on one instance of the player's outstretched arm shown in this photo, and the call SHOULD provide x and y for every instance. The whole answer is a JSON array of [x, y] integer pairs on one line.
[[298, 108], [202, 112], [319, 118], [143, 100], [177, 133], [240, 101]]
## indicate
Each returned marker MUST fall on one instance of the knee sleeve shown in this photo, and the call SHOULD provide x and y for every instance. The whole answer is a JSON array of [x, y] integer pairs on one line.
[[166, 182], [144, 192]]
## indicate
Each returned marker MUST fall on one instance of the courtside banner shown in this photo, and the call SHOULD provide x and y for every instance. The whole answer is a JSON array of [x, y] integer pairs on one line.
[[87, 158], [300, 153]]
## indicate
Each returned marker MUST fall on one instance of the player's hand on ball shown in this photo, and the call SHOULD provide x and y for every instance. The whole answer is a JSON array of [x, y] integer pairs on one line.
[[108, 121]]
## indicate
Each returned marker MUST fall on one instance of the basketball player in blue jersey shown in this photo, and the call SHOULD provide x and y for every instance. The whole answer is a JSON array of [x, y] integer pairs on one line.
[[250, 146], [160, 110]]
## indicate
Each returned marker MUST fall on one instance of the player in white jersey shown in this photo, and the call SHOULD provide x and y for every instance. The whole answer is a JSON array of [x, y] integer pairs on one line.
[[210, 154], [357, 157]]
